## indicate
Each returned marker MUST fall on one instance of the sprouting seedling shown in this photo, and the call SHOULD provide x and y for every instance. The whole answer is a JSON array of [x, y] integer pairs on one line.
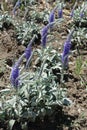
[[66, 49], [16, 5]]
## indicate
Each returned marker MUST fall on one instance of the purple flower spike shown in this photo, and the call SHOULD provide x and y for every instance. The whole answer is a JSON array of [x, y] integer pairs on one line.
[[52, 16], [44, 31], [44, 41], [65, 54], [16, 5], [14, 75], [60, 13], [44, 35], [28, 52], [66, 50]]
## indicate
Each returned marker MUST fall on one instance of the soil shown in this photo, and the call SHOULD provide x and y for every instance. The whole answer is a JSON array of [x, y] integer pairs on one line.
[[9, 52], [68, 118]]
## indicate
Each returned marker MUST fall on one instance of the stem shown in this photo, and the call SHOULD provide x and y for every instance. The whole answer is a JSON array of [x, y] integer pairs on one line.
[[32, 40], [29, 60], [20, 60], [70, 34], [42, 67]]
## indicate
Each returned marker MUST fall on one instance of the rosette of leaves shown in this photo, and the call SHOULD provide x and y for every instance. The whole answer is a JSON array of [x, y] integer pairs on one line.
[[25, 31], [79, 39], [5, 21], [39, 17], [80, 16]]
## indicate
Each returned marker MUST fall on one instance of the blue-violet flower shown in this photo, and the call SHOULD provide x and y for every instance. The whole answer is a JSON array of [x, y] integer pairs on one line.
[[14, 75], [15, 72], [65, 54], [60, 13], [66, 49], [28, 52], [52, 16], [44, 41], [44, 32]]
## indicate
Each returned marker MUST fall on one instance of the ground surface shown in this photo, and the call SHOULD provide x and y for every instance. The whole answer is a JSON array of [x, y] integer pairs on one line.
[[73, 117]]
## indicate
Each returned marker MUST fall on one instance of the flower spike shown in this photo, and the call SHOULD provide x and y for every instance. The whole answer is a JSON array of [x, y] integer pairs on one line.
[[14, 75], [44, 36], [66, 50]]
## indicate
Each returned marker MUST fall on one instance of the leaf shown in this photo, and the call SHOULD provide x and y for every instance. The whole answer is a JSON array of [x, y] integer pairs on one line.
[[5, 90], [0, 104], [11, 124]]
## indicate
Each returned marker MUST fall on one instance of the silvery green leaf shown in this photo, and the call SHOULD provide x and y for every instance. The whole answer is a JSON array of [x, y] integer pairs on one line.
[[11, 101], [5, 90], [0, 104], [11, 124], [44, 75], [53, 51], [39, 51]]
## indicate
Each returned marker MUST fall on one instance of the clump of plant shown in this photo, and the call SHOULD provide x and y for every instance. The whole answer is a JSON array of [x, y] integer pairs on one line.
[[37, 93], [25, 31], [5, 21], [79, 17], [79, 14], [38, 88]]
